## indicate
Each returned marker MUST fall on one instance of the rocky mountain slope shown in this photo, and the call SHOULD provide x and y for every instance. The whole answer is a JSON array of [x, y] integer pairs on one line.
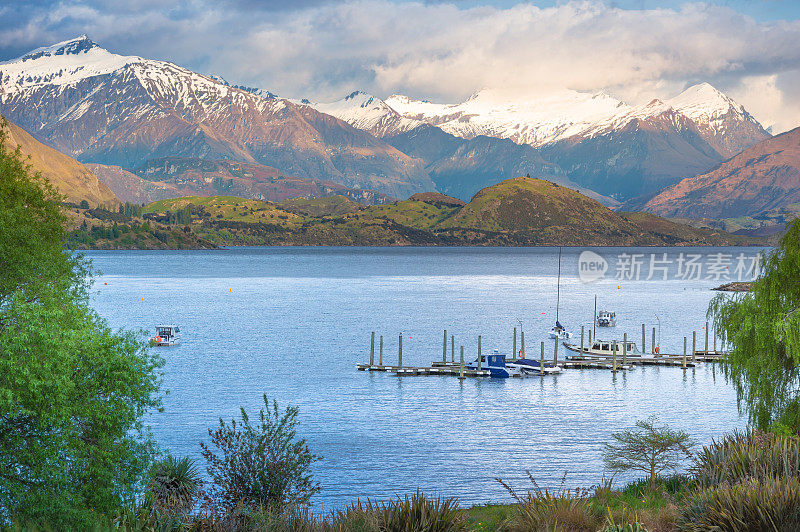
[[124, 110], [173, 177], [762, 179], [72, 179], [461, 167]]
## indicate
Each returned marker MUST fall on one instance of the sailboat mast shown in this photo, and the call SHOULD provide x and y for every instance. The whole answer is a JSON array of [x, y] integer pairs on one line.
[[594, 318], [558, 287]]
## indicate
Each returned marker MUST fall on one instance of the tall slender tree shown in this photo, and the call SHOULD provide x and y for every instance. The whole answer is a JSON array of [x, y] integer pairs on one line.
[[762, 328]]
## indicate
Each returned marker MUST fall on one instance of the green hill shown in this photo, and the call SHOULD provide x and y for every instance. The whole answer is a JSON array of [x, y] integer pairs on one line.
[[516, 212]]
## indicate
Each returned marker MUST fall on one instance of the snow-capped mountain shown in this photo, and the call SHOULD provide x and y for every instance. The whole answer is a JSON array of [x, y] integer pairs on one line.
[[367, 112], [599, 141], [724, 123], [540, 120], [124, 110]]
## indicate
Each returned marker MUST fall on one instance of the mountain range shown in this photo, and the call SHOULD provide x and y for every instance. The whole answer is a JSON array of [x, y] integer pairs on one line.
[[598, 142], [151, 129], [759, 180], [125, 110]]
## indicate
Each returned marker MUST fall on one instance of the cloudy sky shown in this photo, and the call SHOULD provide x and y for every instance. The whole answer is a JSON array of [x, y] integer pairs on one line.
[[445, 50]]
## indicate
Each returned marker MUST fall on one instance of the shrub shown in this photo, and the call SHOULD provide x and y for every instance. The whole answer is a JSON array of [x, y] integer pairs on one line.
[[751, 505], [648, 448], [745, 455], [546, 510], [175, 485], [262, 464]]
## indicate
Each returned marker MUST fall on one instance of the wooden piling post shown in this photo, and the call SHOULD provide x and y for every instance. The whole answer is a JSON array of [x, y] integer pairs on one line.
[[400, 352], [614, 356], [522, 335], [372, 350], [452, 348], [461, 376], [624, 349], [644, 347], [715, 342], [514, 355], [380, 360], [555, 352], [590, 338], [706, 338], [444, 347], [653, 343], [582, 340], [541, 362], [480, 356], [684, 352], [694, 346]]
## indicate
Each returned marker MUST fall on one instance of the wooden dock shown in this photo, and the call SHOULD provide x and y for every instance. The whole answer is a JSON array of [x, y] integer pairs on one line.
[[458, 367], [450, 370]]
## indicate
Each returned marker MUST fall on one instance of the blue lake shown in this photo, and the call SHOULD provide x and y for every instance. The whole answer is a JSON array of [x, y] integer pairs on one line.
[[293, 322]]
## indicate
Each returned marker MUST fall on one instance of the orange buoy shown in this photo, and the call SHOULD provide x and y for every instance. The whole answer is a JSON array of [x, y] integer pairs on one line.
[[157, 339]]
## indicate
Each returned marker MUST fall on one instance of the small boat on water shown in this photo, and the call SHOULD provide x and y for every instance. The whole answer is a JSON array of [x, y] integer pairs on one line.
[[603, 349], [606, 319], [496, 365], [559, 332], [167, 335], [528, 366]]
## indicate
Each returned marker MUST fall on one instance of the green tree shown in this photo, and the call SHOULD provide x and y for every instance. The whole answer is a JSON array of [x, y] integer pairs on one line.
[[72, 392], [261, 464], [648, 448], [762, 330]]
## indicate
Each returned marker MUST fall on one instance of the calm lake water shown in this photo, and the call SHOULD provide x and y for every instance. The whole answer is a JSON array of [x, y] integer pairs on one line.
[[293, 322]]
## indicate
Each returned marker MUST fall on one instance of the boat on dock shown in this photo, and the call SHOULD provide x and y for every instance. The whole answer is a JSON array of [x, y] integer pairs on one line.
[[167, 335], [603, 349], [496, 365], [527, 366]]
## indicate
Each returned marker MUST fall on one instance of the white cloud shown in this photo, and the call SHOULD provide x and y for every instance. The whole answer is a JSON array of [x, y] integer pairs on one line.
[[444, 52]]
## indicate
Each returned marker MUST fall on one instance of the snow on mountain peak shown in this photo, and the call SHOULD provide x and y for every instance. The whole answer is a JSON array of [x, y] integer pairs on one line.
[[60, 64], [703, 101], [81, 44]]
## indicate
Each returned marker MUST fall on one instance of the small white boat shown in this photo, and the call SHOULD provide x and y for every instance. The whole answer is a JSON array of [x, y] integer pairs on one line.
[[604, 349], [167, 335], [559, 332], [606, 319], [527, 366]]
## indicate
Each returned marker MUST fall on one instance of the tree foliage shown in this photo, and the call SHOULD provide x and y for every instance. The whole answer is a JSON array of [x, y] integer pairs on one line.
[[648, 448], [762, 329], [261, 464], [72, 391]]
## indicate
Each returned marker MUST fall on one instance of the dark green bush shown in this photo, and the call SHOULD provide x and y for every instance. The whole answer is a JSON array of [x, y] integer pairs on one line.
[[748, 455], [751, 505]]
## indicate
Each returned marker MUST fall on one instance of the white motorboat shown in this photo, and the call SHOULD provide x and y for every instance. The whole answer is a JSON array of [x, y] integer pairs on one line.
[[167, 335], [606, 319], [604, 349], [528, 366]]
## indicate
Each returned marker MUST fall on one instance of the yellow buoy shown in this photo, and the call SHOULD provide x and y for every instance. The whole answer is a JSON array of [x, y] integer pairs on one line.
[[230, 290]]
